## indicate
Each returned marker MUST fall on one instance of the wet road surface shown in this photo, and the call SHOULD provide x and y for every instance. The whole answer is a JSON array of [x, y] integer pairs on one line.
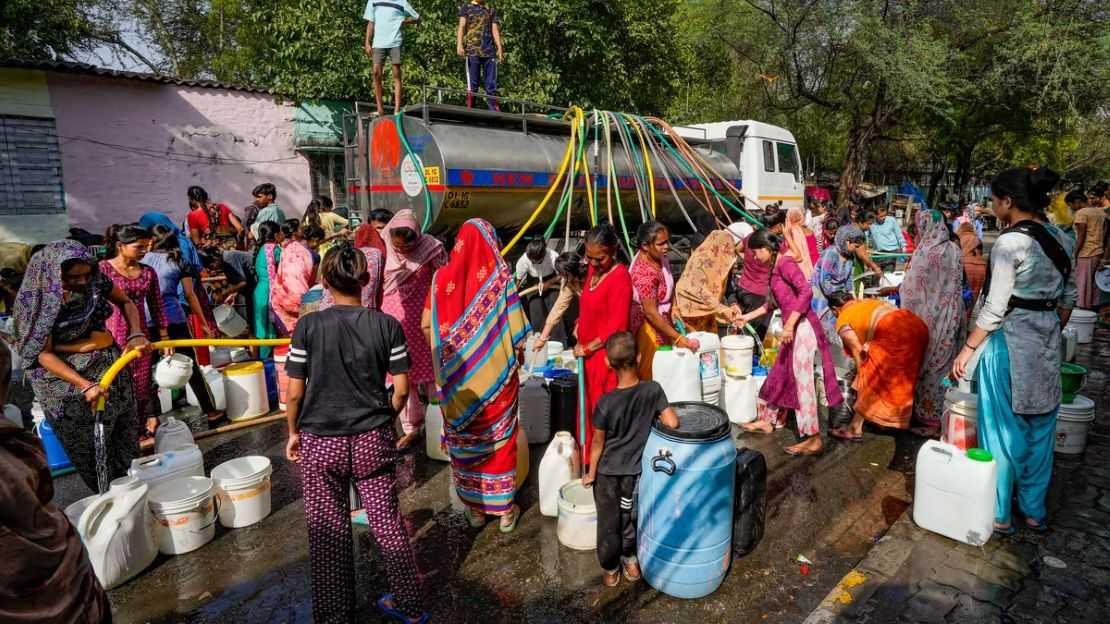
[[830, 509]]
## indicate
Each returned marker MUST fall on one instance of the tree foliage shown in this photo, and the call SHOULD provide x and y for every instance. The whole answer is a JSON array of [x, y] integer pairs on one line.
[[49, 29]]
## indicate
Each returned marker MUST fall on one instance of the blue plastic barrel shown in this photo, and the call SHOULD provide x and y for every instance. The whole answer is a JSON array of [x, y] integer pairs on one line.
[[270, 369], [685, 502], [55, 454]]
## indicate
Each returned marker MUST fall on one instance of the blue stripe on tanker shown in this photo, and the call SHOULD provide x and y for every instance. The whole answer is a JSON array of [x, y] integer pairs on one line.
[[543, 180]]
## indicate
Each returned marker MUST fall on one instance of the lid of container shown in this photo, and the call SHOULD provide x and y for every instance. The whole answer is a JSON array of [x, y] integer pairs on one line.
[[243, 368], [556, 373], [956, 396], [696, 421], [665, 348], [978, 454], [1079, 405], [569, 382]]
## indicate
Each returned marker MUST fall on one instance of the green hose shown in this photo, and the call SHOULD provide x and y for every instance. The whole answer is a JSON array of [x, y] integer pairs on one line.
[[398, 121]]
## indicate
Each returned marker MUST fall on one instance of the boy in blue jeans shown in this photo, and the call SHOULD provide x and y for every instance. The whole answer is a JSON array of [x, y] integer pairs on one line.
[[622, 422], [478, 40]]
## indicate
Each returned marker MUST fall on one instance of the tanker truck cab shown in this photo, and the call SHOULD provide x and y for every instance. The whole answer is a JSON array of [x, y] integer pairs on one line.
[[766, 155]]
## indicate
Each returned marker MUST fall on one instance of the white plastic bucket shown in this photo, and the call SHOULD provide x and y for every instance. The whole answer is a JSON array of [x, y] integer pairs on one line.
[[228, 320], [215, 380], [245, 388], [243, 487], [709, 366], [1084, 323], [554, 352], [960, 422], [184, 514], [1072, 422], [736, 355], [577, 526], [739, 400], [173, 372]]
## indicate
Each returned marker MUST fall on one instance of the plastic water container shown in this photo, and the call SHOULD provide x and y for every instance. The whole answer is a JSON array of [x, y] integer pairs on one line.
[[161, 467], [686, 502], [1072, 423], [74, 510], [554, 352], [171, 435], [173, 372], [534, 409], [281, 356], [245, 385], [55, 454], [273, 394], [117, 529], [736, 355], [433, 432], [577, 525], [709, 366], [759, 377], [561, 464], [1083, 322], [14, 414], [184, 514], [215, 380], [954, 493], [229, 322], [893, 279], [564, 403], [243, 489], [677, 371], [959, 424], [738, 399]]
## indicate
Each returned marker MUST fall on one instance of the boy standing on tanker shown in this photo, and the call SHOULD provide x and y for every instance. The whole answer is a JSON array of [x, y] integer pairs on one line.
[[478, 40], [622, 422], [384, 19]]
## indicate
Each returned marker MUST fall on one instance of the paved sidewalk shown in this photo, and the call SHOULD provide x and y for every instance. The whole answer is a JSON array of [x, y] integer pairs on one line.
[[912, 575]]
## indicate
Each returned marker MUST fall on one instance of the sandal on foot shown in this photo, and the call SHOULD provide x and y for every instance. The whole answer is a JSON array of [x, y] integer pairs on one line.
[[475, 519], [1010, 530], [611, 579], [510, 527], [389, 607], [631, 571], [1039, 527], [219, 421]]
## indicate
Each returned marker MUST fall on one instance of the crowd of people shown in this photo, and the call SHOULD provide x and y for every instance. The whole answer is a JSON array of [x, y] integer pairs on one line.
[[383, 319]]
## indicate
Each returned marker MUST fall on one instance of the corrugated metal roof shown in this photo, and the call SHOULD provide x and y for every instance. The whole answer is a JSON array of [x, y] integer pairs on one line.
[[71, 67]]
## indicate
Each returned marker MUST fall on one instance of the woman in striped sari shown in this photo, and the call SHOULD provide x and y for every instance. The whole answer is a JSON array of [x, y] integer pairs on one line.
[[476, 326]]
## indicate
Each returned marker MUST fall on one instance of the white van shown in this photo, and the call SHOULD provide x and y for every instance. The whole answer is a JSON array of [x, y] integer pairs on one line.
[[767, 155]]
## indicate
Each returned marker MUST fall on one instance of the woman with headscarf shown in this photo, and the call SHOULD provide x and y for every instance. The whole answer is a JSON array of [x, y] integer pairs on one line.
[[476, 325], [370, 243], [193, 266], [603, 311], [267, 258], [1029, 294], [800, 241], [60, 333], [933, 291], [833, 272], [411, 259], [974, 263], [652, 293], [790, 384], [699, 294], [296, 274]]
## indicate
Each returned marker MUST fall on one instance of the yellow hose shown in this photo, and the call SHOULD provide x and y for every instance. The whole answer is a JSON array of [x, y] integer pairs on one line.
[[551, 190], [125, 359]]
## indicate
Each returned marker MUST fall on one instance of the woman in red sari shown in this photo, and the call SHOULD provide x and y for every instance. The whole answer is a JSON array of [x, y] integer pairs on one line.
[[476, 326], [603, 310]]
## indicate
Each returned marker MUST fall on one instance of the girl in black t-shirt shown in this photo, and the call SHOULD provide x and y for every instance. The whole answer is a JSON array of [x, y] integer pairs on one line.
[[341, 433]]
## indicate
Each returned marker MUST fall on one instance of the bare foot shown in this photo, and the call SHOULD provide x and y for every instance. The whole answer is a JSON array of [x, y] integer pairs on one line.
[[759, 426], [810, 446]]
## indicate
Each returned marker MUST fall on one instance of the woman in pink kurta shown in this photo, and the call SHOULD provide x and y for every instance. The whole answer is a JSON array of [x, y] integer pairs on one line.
[[790, 384], [411, 260], [127, 244]]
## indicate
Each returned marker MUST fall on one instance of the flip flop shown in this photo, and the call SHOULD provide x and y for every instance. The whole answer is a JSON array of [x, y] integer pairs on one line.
[[1040, 527], [396, 614], [1010, 530], [841, 434], [509, 528], [474, 519]]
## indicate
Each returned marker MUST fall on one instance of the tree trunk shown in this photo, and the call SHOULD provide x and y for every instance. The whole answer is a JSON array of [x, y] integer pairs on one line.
[[855, 164], [934, 180], [963, 171]]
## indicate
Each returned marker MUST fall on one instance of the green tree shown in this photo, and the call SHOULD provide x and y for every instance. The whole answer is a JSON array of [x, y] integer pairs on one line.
[[52, 29]]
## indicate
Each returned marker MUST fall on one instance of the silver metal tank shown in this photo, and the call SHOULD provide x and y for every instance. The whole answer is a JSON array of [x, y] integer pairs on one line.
[[499, 167]]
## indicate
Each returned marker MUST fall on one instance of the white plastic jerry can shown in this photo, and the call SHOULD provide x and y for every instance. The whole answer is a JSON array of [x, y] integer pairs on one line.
[[561, 464], [954, 494]]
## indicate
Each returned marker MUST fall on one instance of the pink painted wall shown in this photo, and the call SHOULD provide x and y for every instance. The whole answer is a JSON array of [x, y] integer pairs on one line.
[[106, 184]]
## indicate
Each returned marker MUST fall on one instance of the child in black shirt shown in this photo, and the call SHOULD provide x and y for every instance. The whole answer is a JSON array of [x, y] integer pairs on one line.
[[340, 419], [622, 422]]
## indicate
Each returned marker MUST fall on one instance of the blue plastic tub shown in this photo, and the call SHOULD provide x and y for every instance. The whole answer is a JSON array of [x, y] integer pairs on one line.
[[271, 383], [685, 502]]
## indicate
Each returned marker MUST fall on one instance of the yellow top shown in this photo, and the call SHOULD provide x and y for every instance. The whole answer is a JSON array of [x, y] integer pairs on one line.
[[243, 368]]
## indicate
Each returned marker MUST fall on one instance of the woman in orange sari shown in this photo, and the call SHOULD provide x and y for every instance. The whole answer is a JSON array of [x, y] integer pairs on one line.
[[975, 264], [476, 326], [888, 346]]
